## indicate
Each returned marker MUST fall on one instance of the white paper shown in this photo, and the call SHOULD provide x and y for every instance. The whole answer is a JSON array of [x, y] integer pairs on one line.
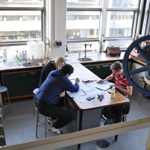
[[84, 92], [104, 85], [80, 96], [74, 94], [90, 90]]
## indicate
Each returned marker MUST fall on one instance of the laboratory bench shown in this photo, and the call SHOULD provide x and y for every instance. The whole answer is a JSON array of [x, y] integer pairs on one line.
[[21, 81]]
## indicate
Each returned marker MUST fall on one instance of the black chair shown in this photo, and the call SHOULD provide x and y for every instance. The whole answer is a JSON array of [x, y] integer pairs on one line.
[[123, 110]]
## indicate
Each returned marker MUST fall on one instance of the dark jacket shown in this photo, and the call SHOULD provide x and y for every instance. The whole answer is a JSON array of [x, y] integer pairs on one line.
[[45, 71], [54, 85]]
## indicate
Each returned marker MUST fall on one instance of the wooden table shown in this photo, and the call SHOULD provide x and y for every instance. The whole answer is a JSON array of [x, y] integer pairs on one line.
[[88, 113]]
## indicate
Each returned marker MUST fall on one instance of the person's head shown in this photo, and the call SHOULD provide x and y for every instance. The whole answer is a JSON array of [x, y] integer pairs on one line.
[[67, 70], [117, 67], [59, 62]]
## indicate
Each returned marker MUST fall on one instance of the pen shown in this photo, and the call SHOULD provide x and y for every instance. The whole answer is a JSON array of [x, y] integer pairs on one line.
[[83, 91], [88, 81]]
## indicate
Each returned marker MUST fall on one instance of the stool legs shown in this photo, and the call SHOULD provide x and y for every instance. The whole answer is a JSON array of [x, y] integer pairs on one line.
[[38, 125], [37, 120], [33, 105], [45, 127]]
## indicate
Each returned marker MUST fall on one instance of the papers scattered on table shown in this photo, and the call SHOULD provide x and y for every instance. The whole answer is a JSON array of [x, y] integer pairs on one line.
[[90, 90], [83, 93], [80, 95], [103, 86]]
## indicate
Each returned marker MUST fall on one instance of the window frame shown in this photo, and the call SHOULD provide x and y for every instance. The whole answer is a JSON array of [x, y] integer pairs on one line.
[[103, 10], [41, 9], [84, 39]]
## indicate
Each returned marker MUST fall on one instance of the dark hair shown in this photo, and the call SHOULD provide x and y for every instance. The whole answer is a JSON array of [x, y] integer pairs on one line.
[[67, 69], [116, 66]]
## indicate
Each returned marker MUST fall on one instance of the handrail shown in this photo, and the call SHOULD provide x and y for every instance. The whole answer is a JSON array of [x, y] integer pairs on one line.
[[53, 143]]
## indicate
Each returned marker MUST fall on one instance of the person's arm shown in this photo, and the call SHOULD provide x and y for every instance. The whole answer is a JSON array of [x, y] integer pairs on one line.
[[127, 91], [68, 86], [106, 79]]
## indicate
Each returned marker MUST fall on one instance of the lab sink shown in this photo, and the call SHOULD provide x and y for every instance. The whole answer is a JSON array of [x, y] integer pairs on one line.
[[30, 63]]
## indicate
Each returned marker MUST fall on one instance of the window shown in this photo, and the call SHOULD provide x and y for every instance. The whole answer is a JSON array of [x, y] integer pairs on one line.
[[82, 26], [120, 22], [21, 25], [117, 23]]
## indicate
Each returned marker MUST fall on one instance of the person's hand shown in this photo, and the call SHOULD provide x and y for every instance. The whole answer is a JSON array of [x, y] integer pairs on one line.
[[100, 81], [113, 85], [62, 94], [77, 80]]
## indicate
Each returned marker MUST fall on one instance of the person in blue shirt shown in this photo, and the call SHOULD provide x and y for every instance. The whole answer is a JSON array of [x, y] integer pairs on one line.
[[48, 98]]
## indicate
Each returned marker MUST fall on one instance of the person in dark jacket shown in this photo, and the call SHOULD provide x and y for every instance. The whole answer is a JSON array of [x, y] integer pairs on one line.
[[57, 63], [48, 97]]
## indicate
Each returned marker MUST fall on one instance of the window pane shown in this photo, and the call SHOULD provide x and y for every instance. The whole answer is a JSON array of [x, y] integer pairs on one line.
[[123, 3], [123, 44], [80, 46], [20, 28], [1, 18], [84, 24], [22, 3], [12, 18], [28, 18], [119, 24], [84, 3]]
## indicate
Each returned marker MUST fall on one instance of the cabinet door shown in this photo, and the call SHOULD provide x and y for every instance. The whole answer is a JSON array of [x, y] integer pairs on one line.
[[21, 84], [34, 80]]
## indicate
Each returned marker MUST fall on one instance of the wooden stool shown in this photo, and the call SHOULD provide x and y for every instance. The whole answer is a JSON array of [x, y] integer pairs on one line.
[[4, 104]]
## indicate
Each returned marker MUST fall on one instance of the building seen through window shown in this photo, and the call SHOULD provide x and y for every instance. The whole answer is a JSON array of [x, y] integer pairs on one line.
[[20, 25], [91, 24]]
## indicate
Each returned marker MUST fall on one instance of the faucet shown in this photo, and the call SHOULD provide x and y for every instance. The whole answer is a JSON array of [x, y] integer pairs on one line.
[[85, 48]]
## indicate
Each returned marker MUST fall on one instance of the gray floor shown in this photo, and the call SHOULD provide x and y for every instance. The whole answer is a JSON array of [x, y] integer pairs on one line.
[[20, 126]]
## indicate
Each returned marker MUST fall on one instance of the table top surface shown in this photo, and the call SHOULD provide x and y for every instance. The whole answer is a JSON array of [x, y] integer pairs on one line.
[[84, 74]]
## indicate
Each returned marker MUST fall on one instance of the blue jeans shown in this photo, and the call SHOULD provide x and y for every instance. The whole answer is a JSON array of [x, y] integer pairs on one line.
[[54, 111]]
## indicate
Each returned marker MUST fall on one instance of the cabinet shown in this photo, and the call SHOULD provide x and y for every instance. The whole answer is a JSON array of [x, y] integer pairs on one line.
[[20, 84], [101, 70]]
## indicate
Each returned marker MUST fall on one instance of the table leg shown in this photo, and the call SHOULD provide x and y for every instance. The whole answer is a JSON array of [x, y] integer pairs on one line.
[[80, 125]]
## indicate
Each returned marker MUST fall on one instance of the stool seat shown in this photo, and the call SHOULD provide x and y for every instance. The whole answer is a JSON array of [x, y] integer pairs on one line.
[[3, 89], [34, 92], [4, 104]]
